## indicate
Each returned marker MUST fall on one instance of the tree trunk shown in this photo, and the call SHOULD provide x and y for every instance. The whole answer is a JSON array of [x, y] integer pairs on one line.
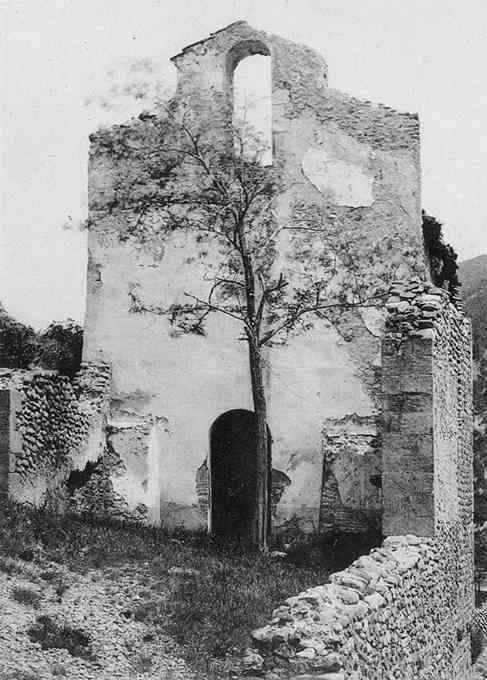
[[260, 518], [259, 530]]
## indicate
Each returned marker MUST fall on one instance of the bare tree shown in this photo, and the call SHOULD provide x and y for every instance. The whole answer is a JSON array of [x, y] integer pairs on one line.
[[167, 176]]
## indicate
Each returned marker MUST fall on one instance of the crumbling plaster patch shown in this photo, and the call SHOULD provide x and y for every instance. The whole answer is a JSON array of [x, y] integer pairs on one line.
[[339, 168], [351, 498]]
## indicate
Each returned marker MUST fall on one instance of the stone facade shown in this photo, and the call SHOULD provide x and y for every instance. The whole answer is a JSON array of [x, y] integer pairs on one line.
[[350, 164]]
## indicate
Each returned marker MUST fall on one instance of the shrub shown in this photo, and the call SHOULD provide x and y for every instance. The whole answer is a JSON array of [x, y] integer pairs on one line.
[[60, 347], [27, 596], [53, 635], [441, 256], [18, 343]]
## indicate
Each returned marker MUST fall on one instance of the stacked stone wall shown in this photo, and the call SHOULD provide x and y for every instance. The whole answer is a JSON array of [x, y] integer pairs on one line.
[[46, 421], [405, 610], [427, 439], [391, 614], [46, 428]]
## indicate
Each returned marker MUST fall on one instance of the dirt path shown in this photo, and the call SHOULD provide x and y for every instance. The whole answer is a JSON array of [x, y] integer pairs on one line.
[[97, 609]]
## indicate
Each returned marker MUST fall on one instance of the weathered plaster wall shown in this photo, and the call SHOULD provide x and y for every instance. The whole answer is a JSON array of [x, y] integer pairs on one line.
[[349, 167]]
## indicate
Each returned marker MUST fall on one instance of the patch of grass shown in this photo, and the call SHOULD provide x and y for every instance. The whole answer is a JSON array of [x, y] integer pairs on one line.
[[213, 615], [52, 635], [27, 596], [80, 543], [58, 670], [9, 566], [206, 594], [49, 575], [335, 550], [19, 675], [142, 663]]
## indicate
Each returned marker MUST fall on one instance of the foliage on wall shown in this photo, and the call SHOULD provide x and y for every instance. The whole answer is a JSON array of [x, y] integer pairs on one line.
[[58, 347], [18, 342], [441, 256]]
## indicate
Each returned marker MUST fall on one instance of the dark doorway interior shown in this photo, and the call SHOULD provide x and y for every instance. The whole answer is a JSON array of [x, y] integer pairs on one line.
[[233, 473]]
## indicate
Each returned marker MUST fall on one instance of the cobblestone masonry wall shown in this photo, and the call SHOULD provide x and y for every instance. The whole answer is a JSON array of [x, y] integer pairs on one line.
[[427, 439], [58, 446], [391, 614], [405, 610], [46, 421]]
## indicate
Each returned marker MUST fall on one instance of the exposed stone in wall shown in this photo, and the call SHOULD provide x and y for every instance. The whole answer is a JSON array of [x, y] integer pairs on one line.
[[351, 498], [203, 488], [48, 431], [58, 448], [96, 496], [279, 481], [391, 614], [133, 446]]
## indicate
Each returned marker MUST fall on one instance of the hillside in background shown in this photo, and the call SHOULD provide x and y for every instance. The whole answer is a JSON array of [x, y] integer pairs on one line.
[[473, 277]]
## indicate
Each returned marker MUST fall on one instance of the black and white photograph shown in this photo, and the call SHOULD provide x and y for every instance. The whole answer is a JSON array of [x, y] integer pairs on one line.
[[243, 340]]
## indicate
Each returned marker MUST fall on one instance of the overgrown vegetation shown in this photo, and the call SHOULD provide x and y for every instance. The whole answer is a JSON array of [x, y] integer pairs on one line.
[[473, 275], [53, 635], [58, 347], [207, 595], [27, 596], [441, 256], [18, 342]]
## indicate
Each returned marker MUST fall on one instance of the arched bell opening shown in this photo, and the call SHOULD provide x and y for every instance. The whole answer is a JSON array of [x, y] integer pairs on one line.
[[249, 74]]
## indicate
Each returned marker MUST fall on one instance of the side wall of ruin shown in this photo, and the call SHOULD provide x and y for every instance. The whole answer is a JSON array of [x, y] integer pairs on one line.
[[405, 610], [392, 613]]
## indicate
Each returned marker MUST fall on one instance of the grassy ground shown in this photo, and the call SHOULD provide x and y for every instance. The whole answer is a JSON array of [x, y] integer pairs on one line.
[[205, 595]]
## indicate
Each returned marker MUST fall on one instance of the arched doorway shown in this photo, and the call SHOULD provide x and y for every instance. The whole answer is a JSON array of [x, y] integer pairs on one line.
[[233, 473]]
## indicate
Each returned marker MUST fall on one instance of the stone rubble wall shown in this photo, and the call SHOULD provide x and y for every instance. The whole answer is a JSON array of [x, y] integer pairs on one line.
[[391, 614], [48, 421], [47, 430], [427, 477], [405, 610], [59, 446], [427, 411]]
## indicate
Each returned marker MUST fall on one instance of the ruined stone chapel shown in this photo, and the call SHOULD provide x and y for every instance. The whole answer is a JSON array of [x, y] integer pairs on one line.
[[345, 426], [368, 406]]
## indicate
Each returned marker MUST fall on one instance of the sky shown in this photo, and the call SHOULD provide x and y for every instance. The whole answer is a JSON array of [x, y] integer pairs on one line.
[[424, 56]]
